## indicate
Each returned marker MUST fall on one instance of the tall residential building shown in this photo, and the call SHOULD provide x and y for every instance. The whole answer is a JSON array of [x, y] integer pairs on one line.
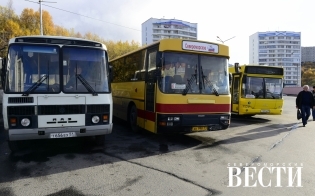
[[278, 48], [156, 29], [308, 54]]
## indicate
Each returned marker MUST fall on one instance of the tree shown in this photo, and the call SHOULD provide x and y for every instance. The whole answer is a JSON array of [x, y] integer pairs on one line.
[[308, 73], [48, 24], [29, 22], [7, 18]]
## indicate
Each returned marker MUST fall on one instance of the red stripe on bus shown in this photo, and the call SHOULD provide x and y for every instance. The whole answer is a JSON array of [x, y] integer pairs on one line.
[[188, 108], [146, 115]]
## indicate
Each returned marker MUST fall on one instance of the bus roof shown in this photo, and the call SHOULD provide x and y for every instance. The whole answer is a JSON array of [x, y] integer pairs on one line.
[[177, 45], [56, 40]]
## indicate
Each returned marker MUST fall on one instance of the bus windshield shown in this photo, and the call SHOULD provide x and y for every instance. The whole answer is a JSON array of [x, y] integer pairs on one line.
[[32, 68], [37, 69], [263, 88], [194, 74], [84, 70]]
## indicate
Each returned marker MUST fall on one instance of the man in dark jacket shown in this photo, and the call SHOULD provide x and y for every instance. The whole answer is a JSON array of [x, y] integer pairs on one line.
[[304, 102], [313, 111]]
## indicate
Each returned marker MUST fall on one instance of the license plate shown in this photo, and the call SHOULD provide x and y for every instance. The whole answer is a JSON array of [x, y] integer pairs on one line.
[[264, 111], [63, 135], [199, 128]]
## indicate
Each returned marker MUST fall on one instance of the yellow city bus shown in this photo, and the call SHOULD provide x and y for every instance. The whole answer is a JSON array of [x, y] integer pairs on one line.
[[164, 87], [256, 89]]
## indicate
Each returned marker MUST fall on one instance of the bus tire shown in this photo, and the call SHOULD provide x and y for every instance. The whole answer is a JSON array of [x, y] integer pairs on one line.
[[132, 118], [14, 146]]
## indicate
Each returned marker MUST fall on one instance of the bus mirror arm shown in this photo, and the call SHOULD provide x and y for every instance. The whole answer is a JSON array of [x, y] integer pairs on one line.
[[111, 73], [3, 71]]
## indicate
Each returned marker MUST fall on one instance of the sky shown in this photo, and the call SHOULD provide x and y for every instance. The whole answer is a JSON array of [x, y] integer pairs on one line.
[[237, 19]]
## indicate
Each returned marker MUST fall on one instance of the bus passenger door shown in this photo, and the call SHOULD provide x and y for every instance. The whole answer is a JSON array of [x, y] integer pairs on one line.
[[150, 90], [235, 93]]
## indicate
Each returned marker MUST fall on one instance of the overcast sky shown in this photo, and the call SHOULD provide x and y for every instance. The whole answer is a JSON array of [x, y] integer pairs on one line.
[[122, 19]]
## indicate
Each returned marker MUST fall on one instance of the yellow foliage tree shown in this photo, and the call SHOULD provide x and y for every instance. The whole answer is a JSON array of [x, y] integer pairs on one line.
[[308, 74], [28, 23]]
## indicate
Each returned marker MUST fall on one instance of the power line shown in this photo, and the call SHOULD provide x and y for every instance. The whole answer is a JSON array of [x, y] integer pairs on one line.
[[90, 17]]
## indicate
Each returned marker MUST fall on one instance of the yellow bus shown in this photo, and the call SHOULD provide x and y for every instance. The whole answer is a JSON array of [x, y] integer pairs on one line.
[[256, 89], [173, 86]]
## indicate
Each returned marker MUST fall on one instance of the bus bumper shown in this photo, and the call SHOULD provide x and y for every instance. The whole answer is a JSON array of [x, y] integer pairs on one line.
[[64, 132], [250, 111], [189, 123]]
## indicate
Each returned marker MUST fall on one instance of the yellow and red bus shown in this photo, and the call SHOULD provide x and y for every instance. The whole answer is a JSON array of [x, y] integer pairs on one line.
[[256, 89], [173, 86]]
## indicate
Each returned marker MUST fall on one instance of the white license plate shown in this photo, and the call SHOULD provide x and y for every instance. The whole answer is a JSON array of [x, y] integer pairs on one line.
[[264, 111], [63, 135]]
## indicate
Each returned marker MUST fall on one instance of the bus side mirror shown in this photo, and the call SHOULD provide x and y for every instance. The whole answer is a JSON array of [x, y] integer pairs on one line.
[[237, 67], [3, 71], [159, 59], [230, 79], [111, 73]]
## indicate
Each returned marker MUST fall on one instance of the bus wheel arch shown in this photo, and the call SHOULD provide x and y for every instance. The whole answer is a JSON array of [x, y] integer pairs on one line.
[[132, 117]]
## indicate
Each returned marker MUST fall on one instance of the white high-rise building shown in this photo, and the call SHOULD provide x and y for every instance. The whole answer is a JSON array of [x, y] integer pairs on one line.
[[278, 48], [156, 29]]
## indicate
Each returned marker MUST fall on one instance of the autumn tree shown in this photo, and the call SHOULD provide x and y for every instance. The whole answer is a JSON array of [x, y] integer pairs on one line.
[[28, 23], [9, 26], [308, 73]]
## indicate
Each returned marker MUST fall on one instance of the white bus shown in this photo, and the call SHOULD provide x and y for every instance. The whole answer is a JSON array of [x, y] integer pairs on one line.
[[56, 87]]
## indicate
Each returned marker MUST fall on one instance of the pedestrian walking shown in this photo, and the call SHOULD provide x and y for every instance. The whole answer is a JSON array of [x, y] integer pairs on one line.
[[304, 102], [313, 110]]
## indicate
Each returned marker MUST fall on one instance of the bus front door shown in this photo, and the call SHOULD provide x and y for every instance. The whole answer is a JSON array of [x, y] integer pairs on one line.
[[235, 93], [150, 90]]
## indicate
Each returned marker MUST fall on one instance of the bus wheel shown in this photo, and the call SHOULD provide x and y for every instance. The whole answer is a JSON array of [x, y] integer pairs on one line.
[[100, 140], [14, 146], [133, 118]]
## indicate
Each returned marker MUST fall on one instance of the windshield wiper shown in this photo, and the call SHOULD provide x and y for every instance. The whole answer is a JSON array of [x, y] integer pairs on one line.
[[190, 82], [209, 84], [86, 85], [35, 85]]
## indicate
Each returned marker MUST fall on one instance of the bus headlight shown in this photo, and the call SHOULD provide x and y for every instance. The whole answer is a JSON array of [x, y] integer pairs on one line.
[[176, 119], [169, 118], [95, 119], [224, 118], [25, 122]]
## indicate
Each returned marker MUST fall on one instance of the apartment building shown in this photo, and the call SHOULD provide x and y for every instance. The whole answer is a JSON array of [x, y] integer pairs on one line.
[[278, 48], [156, 29]]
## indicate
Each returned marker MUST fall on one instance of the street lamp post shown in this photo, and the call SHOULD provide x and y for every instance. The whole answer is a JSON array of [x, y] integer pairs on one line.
[[219, 39], [40, 10]]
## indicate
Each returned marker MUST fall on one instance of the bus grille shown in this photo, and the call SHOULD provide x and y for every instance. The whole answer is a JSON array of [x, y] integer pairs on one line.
[[60, 109], [97, 108], [21, 110], [21, 100]]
